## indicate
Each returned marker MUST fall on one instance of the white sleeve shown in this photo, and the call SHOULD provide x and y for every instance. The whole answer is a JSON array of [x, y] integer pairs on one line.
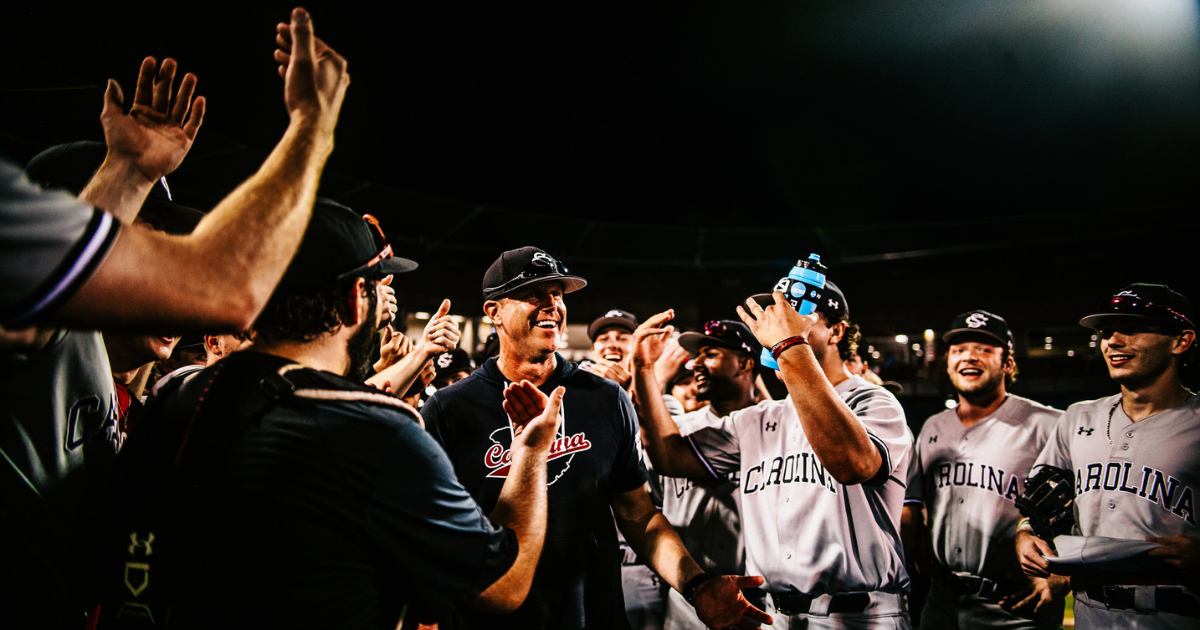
[[50, 243], [915, 491], [883, 418], [717, 446], [1056, 452]]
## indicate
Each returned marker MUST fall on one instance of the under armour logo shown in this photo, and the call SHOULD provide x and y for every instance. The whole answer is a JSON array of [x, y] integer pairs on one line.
[[614, 313], [1083, 431], [444, 360], [977, 320], [135, 543], [833, 304], [771, 426], [933, 439]]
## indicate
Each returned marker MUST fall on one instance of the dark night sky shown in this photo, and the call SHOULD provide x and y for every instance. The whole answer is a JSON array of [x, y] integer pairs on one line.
[[1023, 156]]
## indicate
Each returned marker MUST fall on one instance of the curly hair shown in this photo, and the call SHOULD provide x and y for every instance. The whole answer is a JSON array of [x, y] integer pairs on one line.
[[305, 316], [848, 344]]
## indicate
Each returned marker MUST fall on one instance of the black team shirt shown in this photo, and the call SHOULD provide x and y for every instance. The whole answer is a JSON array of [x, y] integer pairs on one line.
[[578, 579]]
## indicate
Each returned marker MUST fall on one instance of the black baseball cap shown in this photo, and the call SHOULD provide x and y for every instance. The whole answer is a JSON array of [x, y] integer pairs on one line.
[[339, 245], [519, 268], [833, 301], [722, 332], [980, 322], [615, 318], [453, 362], [1153, 303], [71, 166]]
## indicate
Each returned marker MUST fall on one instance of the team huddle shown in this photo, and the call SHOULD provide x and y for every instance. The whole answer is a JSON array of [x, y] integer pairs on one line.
[[289, 481]]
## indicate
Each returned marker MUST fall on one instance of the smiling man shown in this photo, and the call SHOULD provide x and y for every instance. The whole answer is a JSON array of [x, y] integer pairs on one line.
[[969, 467], [1135, 458], [595, 470]]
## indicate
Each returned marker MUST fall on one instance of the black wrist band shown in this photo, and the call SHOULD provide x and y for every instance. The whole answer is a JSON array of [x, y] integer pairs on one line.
[[689, 589], [778, 348]]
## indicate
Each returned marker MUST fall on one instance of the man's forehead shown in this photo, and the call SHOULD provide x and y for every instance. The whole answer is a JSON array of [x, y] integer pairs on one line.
[[612, 329], [967, 340]]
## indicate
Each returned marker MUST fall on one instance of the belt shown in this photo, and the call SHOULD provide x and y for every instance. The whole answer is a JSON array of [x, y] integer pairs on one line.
[[967, 584], [791, 603], [1141, 599]]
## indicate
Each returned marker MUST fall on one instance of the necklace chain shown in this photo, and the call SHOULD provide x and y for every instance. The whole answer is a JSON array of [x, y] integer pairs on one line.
[[1108, 428]]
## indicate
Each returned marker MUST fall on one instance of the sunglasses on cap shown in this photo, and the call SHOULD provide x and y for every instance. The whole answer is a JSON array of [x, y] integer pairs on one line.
[[540, 266], [385, 248], [1131, 305], [716, 328]]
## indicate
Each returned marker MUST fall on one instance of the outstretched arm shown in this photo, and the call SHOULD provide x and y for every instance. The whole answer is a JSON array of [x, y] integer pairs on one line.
[[147, 143], [441, 334], [220, 276], [719, 602], [837, 437], [523, 504], [669, 452]]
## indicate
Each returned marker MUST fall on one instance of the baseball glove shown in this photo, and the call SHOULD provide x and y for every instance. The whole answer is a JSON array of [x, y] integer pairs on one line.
[[1047, 502]]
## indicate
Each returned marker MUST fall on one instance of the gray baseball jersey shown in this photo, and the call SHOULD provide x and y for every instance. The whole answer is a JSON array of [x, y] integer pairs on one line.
[[705, 513], [1143, 484], [803, 530], [50, 244], [968, 479]]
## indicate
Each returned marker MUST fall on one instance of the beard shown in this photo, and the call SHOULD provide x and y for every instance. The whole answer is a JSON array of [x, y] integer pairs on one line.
[[361, 345], [983, 389]]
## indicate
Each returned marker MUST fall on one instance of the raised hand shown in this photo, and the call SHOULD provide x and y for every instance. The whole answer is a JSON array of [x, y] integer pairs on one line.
[[155, 135], [534, 415], [315, 77], [441, 334], [673, 357], [777, 322], [387, 297], [719, 603], [611, 371], [650, 338], [393, 346]]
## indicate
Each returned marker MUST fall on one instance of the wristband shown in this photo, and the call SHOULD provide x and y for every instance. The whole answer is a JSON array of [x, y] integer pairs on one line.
[[689, 589], [778, 348], [1024, 526]]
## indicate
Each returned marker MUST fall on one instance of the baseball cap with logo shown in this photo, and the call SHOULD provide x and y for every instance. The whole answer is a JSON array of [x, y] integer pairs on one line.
[[833, 301], [518, 268], [1151, 303], [721, 332], [340, 245], [615, 318], [71, 166], [453, 362], [979, 322]]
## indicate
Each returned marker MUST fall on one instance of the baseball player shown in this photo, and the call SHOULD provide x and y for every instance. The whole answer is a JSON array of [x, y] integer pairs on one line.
[[705, 511], [821, 473], [968, 469], [1135, 459]]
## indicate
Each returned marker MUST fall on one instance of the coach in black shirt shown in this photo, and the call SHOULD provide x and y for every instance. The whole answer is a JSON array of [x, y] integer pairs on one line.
[[595, 471]]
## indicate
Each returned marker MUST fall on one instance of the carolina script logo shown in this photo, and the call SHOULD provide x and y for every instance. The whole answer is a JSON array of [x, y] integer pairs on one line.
[[498, 457]]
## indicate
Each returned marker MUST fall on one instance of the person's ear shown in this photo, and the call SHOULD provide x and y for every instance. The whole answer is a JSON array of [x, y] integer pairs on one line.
[[491, 308]]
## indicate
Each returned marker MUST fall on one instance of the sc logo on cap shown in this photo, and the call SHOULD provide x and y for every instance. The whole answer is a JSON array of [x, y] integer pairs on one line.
[[444, 360], [977, 320], [614, 313]]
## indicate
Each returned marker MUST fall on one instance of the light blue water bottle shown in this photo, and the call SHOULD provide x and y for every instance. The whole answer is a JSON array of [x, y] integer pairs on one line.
[[802, 287]]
